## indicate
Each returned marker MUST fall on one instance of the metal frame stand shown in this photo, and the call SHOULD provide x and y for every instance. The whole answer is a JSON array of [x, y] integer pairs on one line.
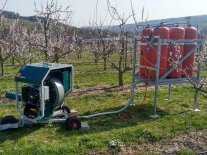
[[134, 62], [169, 92], [195, 107], [157, 69], [162, 80]]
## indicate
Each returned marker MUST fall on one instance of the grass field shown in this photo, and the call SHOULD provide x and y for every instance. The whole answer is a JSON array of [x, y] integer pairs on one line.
[[177, 129]]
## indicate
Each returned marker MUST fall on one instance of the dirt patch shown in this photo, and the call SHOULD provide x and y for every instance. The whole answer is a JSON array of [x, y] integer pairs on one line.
[[194, 140], [7, 76], [99, 89], [6, 101], [102, 89]]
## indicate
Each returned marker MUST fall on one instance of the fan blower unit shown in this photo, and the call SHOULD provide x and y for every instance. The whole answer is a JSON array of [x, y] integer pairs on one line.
[[40, 92]]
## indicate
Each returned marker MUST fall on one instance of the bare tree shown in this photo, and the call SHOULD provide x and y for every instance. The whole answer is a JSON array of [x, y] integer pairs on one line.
[[101, 42], [28, 38], [11, 41], [79, 46], [60, 42], [104, 46], [1, 58], [106, 43], [54, 30], [121, 46]]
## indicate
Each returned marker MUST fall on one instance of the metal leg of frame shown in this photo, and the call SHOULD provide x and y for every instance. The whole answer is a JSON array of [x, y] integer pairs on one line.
[[169, 92], [195, 108], [195, 102], [134, 64], [157, 79], [155, 102]]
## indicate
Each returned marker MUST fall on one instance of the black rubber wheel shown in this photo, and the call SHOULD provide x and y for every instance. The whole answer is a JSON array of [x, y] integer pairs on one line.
[[73, 123], [66, 109], [9, 120]]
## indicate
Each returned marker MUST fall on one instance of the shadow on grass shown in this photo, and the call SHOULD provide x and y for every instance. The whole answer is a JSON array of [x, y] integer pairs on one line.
[[19, 133], [133, 116]]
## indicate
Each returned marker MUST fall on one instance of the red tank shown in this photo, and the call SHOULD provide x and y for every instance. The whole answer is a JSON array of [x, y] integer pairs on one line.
[[145, 53], [176, 51], [163, 32], [190, 34]]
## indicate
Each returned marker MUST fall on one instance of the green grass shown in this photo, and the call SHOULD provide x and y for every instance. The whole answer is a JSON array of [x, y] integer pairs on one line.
[[175, 117]]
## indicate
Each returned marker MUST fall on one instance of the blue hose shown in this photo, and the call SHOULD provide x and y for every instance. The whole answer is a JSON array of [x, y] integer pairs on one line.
[[12, 96]]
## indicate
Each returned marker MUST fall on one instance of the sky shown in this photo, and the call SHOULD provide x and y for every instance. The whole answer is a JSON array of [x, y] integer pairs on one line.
[[84, 11]]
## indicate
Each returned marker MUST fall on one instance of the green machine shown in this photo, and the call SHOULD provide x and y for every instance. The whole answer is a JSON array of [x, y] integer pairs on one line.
[[40, 92]]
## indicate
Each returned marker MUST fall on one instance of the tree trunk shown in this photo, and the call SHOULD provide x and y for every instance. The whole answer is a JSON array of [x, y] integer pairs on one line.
[[24, 61], [105, 63], [46, 56], [96, 58], [131, 56], [120, 75], [2, 68], [56, 58], [1, 63], [126, 56], [30, 61], [79, 55], [13, 61], [46, 26]]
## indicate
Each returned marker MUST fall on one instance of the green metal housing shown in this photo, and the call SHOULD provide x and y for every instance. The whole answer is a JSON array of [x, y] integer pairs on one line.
[[40, 75], [35, 74]]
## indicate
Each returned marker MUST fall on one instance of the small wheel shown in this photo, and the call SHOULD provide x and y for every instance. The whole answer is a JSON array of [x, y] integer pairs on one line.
[[73, 123], [65, 108], [9, 120]]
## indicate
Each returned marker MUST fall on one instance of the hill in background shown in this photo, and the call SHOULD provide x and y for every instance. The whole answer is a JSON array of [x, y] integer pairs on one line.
[[31, 22], [197, 21], [13, 15]]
